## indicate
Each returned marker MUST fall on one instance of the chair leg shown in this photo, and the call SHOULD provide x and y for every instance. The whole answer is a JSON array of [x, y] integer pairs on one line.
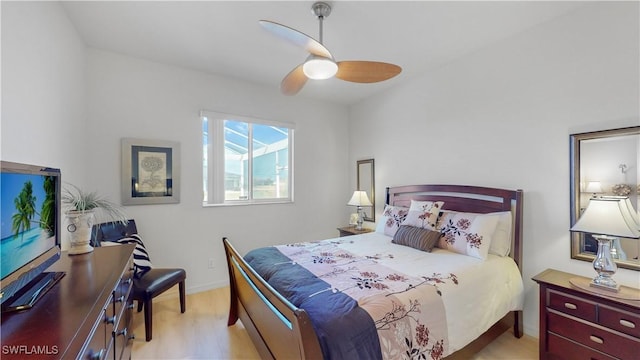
[[148, 311], [183, 304], [139, 305]]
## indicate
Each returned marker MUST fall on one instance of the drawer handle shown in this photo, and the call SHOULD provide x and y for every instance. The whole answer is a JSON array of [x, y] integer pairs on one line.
[[110, 320], [119, 299], [127, 281], [570, 306], [596, 339], [627, 323], [130, 306], [122, 332]]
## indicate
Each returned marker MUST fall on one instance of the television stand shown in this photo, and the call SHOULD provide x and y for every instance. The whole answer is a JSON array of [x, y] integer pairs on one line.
[[30, 294]]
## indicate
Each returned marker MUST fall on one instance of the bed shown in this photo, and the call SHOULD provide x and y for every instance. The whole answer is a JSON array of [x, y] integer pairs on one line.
[[282, 330]]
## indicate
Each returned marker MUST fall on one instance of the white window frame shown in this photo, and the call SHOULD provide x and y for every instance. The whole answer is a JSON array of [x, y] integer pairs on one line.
[[215, 159]]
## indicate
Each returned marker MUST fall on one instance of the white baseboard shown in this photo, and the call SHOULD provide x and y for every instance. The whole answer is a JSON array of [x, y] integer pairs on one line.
[[173, 292]]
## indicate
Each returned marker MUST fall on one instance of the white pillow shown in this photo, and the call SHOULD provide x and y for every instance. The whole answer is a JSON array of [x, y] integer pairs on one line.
[[423, 214], [467, 233], [501, 241]]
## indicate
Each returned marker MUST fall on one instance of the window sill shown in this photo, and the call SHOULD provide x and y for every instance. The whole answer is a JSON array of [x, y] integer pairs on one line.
[[248, 203]]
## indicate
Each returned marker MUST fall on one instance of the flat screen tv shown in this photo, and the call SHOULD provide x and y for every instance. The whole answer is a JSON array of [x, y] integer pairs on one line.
[[29, 233]]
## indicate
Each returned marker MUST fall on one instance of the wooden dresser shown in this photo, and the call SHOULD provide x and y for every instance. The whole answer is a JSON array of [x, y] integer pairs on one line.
[[580, 324], [87, 315]]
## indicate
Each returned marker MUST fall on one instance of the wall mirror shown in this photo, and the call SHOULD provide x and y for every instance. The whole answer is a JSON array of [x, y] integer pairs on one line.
[[605, 163], [366, 182]]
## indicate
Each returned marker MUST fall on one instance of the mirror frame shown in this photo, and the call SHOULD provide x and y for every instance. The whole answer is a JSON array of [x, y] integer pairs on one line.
[[576, 238], [363, 174]]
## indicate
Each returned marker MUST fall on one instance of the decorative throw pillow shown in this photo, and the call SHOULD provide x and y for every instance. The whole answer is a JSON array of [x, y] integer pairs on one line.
[[392, 217], [423, 214], [501, 239], [415, 237], [141, 261], [467, 233]]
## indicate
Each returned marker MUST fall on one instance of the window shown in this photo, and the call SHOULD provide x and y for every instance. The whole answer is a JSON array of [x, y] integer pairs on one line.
[[246, 160]]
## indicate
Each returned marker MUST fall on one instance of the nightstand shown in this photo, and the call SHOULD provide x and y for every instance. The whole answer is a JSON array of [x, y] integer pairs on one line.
[[351, 230], [580, 324]]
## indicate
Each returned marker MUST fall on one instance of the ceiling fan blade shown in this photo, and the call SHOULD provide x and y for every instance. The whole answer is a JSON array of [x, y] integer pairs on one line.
[[296, 38], [366, 71], [294, 81]]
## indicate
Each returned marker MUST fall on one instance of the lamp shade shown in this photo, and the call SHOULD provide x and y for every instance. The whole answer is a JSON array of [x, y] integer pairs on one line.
[[359, 198], [608, 216]]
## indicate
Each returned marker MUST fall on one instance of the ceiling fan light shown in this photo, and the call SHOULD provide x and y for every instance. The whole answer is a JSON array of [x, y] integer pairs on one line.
[[319, 68]]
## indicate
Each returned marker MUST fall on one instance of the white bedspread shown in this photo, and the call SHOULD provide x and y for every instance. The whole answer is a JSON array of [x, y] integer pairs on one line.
[[486, 290]]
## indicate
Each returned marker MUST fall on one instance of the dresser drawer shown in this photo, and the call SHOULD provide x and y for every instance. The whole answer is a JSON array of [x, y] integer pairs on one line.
[[562, 349], [97, 343], [592, 336], [572, 305], [125, 283], [620, 320]]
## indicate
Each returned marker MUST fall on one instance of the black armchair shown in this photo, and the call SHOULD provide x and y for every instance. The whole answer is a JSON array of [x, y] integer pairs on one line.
[[152, 282]]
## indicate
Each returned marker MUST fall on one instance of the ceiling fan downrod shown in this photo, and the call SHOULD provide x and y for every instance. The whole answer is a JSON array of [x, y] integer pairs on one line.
[[321, 10]]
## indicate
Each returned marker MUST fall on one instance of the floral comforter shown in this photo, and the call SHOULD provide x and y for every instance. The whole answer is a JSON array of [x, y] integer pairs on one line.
[[360, 309]]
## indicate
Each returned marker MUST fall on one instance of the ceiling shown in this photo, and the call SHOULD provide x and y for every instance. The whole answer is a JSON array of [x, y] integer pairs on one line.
[[223, 37]]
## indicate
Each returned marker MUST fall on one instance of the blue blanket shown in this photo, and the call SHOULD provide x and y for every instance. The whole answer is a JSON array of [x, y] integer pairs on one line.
[[345, 330]]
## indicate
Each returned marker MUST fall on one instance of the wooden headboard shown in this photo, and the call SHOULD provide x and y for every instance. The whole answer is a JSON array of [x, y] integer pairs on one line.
[[468, 199]]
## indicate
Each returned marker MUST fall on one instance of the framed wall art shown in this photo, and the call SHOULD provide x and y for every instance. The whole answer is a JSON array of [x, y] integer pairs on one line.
[[150, 172]]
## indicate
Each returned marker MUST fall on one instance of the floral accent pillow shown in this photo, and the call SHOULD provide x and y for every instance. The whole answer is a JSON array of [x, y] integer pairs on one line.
[[467, 233], [423, 214], [392, 217]]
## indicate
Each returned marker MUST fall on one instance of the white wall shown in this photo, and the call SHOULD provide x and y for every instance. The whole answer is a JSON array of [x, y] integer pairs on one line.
[[67, 106], [501, 117], [130, 97], [43, 89]]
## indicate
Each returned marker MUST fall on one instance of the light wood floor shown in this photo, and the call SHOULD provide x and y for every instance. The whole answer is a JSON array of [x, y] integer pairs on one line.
[[202, 333]]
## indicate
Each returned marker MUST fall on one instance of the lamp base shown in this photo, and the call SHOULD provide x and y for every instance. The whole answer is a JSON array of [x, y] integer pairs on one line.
[[604, 265], [615, 288]]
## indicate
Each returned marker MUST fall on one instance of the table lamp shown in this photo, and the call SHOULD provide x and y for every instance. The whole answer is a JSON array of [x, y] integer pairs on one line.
[[607, 218], [359, 199]]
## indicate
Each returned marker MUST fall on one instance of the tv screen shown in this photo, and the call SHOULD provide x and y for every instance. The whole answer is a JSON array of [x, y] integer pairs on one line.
[[29, 231]]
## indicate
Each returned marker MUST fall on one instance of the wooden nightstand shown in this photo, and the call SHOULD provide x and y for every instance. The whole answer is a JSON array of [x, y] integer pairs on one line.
[[581, 324], [351, 230]]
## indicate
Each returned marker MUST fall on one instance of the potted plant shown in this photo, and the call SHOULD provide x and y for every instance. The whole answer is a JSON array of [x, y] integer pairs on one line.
[[83, 209]]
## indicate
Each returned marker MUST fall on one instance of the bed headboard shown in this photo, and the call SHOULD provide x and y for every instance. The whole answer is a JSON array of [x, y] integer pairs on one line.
[[468, 199]]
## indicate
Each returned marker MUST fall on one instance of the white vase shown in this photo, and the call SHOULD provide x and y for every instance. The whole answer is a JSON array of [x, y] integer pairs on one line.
[[79, 225]]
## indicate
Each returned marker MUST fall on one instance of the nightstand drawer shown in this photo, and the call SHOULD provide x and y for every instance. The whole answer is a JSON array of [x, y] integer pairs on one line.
[[622, 321], [597, 338], [561, 348], [572, 306]]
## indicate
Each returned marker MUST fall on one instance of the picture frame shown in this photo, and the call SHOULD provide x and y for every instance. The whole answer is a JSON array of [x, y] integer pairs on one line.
[[150, 172]]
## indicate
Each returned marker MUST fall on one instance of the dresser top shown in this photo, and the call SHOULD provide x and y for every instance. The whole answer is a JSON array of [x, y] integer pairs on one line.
[[561, 279]]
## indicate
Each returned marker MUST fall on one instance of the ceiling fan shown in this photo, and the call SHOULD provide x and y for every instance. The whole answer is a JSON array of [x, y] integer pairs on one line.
[[320, 64]]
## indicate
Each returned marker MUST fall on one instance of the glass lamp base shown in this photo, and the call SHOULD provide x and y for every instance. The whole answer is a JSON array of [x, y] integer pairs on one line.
[[604, 285], [604, 265]]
